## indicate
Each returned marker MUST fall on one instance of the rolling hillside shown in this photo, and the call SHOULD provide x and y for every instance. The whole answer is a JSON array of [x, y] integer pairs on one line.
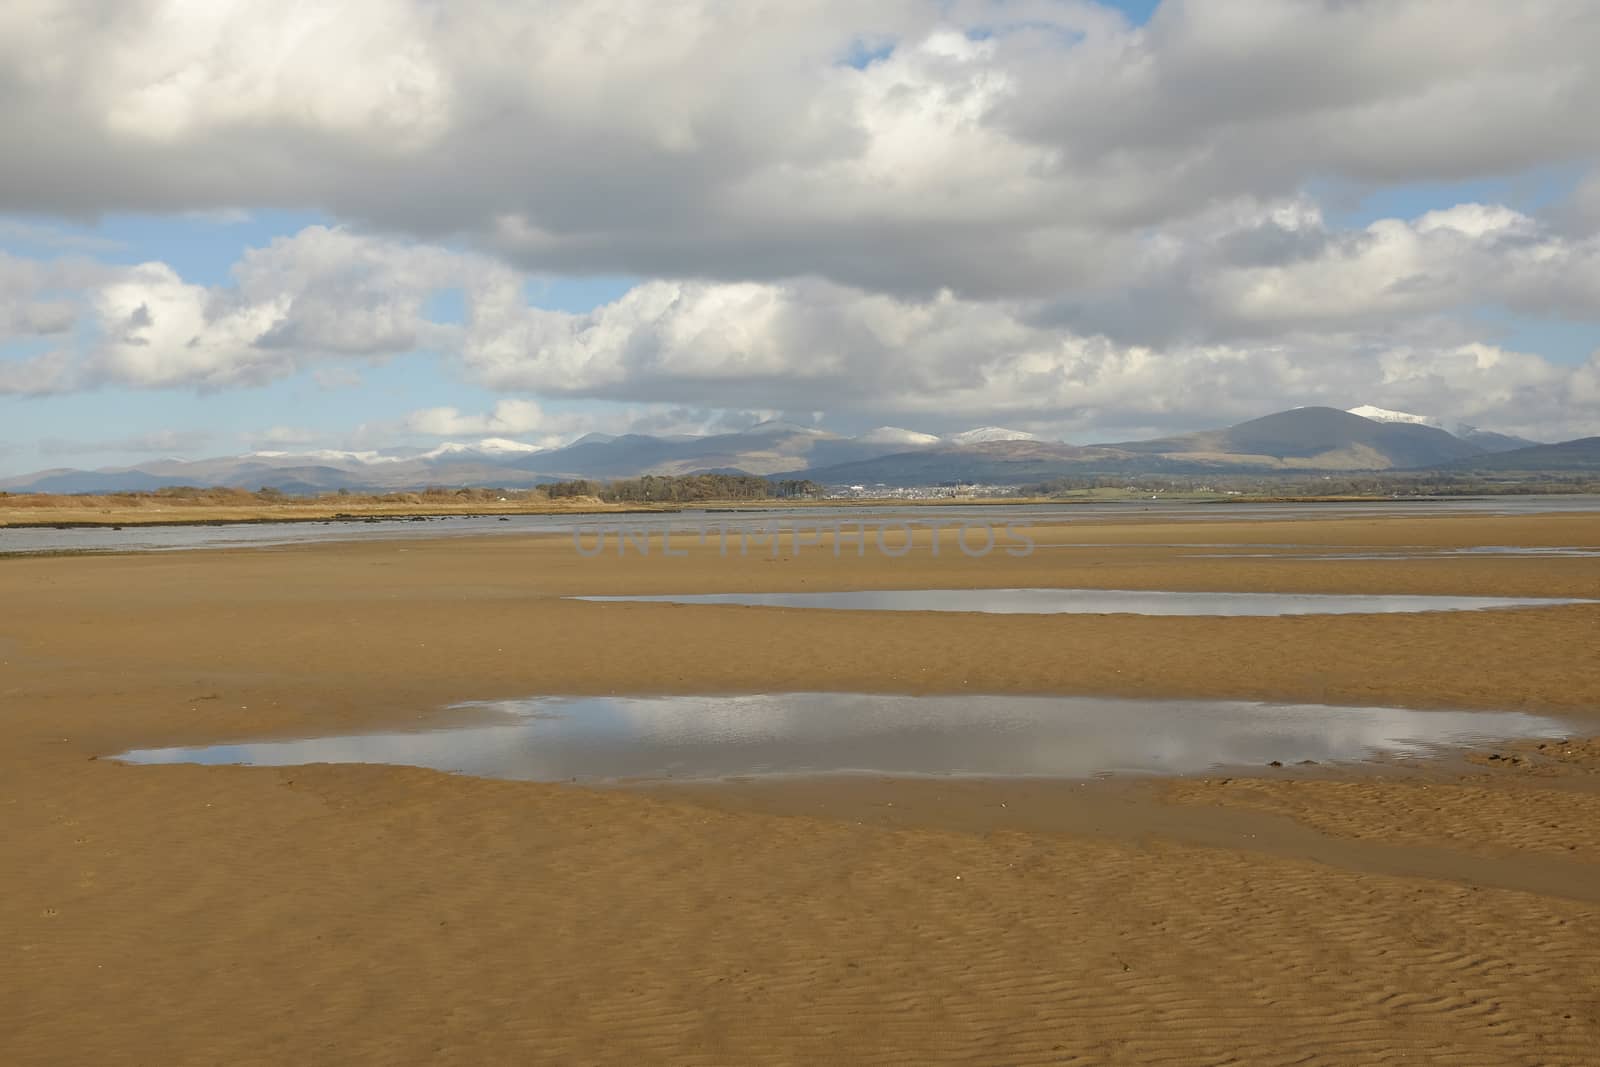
[[1580, 455]]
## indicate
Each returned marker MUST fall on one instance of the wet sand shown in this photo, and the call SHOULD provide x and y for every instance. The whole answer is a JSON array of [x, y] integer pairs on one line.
[[337, 914]]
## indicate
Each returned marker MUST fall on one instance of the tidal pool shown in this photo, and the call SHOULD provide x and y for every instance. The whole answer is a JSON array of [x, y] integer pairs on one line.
[[708, 737], [1404, 552], [1098, 601]]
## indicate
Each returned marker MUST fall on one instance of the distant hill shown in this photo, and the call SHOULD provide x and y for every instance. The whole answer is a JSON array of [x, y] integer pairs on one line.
[[1304, 439], [1580, 455], [1311, 439], [770, 448], [1315, 437], [990, 463], [1490, 441], [73, 481], [987, 434]]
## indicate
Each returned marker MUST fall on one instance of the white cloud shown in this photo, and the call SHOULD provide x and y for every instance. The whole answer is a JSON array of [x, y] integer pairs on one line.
[[303, 301], [320, 295], [849, 352], [37, 297], [1466, 255], [1018, 211], [998, 148], [1268, 309], [159, 330], [185, 70], [524, 419], [508, 417]]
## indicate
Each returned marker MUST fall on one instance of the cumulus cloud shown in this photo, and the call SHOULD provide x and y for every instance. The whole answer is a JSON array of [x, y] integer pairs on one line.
[[1247, 312], [508, 417], [1249, 270], [992, 148], [302, 302], [1465, 255], [526, 420], [37, 298], [930, 213], [851, 352], [321, 295]]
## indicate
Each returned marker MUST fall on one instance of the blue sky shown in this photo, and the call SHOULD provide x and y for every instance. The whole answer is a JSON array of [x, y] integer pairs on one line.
[[334, 407], [1532, 192], [203, 247]]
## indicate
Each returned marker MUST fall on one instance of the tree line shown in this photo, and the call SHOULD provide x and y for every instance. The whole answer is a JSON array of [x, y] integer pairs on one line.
[[686, 488]]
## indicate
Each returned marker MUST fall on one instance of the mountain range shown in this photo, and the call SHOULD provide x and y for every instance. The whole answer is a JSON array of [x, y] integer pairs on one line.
[[1309, 439]]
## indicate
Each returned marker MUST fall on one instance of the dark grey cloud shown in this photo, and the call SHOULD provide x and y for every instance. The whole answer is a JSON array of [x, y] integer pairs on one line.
[[730, 142]]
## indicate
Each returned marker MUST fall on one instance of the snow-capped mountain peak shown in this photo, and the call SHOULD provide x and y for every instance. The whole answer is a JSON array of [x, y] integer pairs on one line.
[[986, 434], [1488, 440], [1377, 414], [1451, 426], [489, 446], [894, 435], [774, 427], [325, 455]]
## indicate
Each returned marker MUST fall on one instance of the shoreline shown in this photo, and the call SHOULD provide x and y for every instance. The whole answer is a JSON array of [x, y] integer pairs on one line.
[[194, 515], [286, 520]]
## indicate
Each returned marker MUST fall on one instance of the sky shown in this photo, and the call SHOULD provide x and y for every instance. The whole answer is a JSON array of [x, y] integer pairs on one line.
[[233, 226]]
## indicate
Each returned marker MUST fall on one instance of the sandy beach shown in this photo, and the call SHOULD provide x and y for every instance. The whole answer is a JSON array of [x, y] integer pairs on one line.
[[353, 914]]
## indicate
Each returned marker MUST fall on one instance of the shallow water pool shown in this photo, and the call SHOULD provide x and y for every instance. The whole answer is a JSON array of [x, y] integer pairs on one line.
[[700, 737], [1098, 601]]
